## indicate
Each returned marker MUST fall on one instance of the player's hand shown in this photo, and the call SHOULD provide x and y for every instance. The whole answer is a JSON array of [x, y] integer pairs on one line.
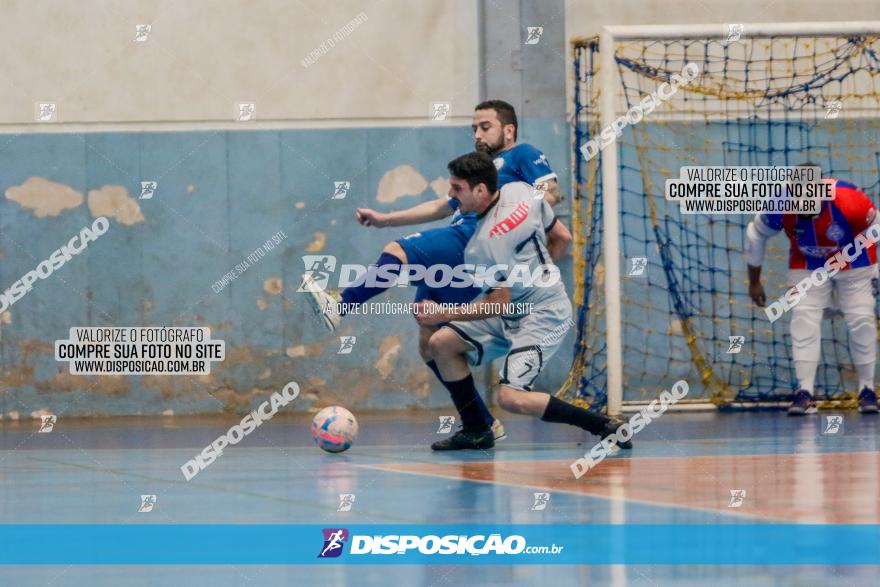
[[369, 217], [427, 313], [756, 292]]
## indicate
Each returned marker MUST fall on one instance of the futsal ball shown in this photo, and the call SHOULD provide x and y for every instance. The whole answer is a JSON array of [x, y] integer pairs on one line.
[[334, 429]]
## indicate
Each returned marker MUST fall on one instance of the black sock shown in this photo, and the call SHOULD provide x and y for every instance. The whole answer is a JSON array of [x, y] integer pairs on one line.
[[467, 401], [432, 365], [477, 401], [559, 411]]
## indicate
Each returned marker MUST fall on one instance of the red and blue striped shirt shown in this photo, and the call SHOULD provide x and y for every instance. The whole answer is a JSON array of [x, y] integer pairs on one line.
[[816, 238]]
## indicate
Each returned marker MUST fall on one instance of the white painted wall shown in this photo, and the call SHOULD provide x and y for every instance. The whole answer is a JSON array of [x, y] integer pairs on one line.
[[204, 56]]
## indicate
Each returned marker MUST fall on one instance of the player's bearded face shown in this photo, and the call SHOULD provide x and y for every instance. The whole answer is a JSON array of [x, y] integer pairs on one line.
[[488, 133], [490, 148]]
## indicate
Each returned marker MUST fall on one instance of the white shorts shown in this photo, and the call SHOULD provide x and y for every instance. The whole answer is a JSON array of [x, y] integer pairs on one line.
[[848, 289], [527, 342]]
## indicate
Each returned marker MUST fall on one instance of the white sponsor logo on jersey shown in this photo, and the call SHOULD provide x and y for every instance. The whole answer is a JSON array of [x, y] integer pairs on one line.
[[835, 232]]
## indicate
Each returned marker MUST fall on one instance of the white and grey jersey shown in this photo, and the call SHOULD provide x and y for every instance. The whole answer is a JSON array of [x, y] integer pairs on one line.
[[511, 243]]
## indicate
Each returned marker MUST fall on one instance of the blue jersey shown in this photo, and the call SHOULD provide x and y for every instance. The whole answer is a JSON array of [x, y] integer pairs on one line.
[[446, 245], [817, 238], [522, 162], [525, 163]]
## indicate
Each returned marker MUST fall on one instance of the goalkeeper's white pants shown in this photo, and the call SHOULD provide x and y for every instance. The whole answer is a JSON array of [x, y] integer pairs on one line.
[[850, 291]]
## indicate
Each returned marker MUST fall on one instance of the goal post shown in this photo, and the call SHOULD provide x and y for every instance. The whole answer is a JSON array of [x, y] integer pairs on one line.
[[761, 98]]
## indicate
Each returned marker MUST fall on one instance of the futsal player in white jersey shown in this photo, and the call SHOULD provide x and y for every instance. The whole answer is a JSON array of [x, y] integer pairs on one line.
[[523, 315]]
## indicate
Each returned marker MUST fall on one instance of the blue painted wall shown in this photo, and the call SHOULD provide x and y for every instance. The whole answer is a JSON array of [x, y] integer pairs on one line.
[[220, 196]]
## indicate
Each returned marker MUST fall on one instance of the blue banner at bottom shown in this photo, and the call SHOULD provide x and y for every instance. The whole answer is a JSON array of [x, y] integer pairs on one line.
[[149, 544]]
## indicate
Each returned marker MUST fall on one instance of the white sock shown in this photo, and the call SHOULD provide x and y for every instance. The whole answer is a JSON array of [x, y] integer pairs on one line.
[[865, 371], [806, 374]]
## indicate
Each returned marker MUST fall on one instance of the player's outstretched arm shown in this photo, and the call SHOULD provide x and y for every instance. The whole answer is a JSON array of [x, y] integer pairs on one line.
[[756, 288], [558, 239], [424, 212], [551, 191]]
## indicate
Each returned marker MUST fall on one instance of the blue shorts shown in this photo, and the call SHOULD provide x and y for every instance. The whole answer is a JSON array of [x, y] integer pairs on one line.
[[439, 246]]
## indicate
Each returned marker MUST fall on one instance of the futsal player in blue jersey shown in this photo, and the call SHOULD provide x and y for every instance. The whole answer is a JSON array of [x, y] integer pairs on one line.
[[495, 129]]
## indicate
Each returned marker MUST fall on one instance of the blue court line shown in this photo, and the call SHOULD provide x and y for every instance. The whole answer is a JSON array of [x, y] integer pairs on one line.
[[723, 544]]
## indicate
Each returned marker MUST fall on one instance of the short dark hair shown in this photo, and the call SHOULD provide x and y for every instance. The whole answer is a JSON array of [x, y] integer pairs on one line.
[[475, 168], [506, 113]]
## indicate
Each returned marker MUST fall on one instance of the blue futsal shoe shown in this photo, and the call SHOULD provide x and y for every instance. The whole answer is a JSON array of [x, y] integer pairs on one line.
[[803, 404], [868, 402]]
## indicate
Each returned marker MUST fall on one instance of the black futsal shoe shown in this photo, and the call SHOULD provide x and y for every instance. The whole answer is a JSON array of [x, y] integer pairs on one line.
[[464, 439], [611, 427]]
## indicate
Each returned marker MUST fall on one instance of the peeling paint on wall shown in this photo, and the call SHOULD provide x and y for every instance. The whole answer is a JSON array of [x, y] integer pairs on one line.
[[273, 286], [264, 350], [303, 350], [317, 245], [401, 181], [113, 201], [63, 381], [441, 186], [240, 354], [389, 351], [239, 402], [44, 197]]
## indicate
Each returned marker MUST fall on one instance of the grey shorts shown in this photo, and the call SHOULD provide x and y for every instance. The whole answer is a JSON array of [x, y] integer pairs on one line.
[[527, 343]]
